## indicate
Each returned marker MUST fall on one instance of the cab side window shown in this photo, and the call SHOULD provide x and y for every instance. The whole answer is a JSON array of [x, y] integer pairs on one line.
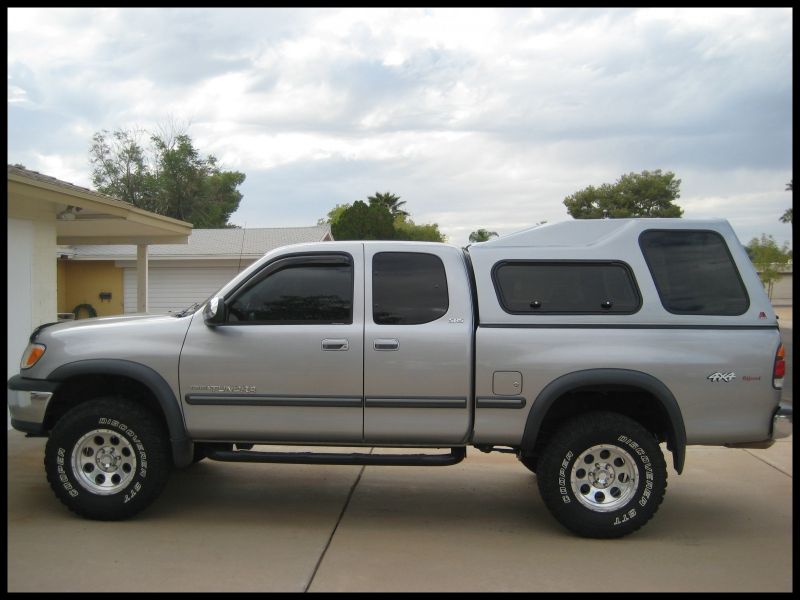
[[408, 288], [298, 293]]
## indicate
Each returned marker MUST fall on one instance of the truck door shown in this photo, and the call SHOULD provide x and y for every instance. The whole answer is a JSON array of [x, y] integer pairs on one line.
[[287, 365], [418, 329]]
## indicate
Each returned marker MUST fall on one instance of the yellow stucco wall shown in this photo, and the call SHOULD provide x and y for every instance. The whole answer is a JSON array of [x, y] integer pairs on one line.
[[80, 282]]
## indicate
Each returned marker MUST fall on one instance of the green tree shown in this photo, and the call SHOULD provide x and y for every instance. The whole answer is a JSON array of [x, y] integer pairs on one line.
[[169, 177], [356, 223], [334, 214], [120, 170], [482, 235], [406, 229], [391, 201], [645, 194], [768, 258], [363, 221]]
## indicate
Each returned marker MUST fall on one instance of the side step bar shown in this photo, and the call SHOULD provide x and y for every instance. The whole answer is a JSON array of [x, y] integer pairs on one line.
[[322, 458]]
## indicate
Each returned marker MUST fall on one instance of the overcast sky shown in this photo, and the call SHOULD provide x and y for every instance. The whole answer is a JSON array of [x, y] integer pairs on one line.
[[475, 117]]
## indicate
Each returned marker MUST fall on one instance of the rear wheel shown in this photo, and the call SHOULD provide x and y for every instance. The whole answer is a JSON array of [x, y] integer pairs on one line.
[[602, 475], [108, 459]]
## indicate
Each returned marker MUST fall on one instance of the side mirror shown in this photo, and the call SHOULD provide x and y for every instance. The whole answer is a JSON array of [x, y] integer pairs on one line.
[[214, 312]]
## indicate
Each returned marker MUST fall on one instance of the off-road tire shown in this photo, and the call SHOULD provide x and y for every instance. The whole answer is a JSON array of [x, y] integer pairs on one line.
[[529, 463], [602, 475], [107, 459]]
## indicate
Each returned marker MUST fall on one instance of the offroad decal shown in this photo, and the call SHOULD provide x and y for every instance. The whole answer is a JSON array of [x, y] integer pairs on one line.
[[719, 376]]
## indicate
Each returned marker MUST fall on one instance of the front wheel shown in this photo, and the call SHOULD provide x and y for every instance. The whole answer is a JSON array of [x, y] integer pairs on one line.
[[108, 459], [602, 475]]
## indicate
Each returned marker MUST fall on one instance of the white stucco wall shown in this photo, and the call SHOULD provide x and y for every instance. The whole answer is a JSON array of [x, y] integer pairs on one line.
[[31, 293], [20, 267]]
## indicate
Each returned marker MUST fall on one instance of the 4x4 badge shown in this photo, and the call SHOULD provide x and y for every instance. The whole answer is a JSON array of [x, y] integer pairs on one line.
[[726, 377]]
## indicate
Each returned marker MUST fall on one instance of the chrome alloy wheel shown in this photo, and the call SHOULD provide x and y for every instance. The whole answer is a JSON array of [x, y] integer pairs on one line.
[[103, 461], [604, 477]]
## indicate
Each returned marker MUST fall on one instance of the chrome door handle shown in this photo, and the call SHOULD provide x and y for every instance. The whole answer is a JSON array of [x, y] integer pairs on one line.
[[389, 344], [335, 344]]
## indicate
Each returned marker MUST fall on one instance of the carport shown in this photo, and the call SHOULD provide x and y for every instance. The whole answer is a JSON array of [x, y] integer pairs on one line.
[[45, 212]]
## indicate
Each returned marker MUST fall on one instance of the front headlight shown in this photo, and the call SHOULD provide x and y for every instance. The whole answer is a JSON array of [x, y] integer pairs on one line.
[[32, 355]]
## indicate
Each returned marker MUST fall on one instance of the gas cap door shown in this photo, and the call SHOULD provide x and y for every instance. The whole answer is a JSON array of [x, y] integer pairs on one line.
[[507, 383]]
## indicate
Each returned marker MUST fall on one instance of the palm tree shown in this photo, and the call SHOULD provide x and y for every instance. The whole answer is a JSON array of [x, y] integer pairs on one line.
[[787, 216], [391, 201], [482, 235]]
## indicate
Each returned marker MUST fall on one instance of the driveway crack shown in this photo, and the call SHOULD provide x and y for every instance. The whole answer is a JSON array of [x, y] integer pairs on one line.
[[766, 462], [339, 520]]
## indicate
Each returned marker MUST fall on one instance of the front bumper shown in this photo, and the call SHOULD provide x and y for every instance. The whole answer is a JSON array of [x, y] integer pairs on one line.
[[782, 422], [27, 402]]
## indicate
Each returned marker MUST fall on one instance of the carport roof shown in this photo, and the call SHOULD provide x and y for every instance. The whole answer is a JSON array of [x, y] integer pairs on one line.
[[213, 243], [92, 217]]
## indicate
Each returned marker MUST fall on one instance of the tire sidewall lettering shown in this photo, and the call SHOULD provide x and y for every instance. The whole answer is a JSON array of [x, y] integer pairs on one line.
[[639, 500], [563, 477], [646, 475], [138, 428], [137, 443], [68, 478]]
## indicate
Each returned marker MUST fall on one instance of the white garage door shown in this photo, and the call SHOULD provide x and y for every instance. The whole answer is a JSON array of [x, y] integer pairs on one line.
[[174, 288]]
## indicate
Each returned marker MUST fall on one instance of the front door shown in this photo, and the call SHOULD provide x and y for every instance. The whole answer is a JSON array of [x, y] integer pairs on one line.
[[287, 365]]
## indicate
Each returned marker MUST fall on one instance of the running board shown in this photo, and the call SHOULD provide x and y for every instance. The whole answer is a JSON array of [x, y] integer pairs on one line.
[[321, 458]]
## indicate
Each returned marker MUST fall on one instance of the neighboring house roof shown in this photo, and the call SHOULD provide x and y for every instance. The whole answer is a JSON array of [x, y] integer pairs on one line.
[[211, 244]]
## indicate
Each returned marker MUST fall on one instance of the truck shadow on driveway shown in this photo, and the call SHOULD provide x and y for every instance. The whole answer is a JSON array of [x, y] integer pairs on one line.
[[291, 494]]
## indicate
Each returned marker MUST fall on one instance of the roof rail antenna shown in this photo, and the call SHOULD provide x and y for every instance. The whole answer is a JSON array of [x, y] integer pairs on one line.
[[241, 250]]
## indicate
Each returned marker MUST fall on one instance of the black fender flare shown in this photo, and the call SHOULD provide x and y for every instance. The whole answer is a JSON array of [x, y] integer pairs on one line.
[[676, 436], [182, 445]]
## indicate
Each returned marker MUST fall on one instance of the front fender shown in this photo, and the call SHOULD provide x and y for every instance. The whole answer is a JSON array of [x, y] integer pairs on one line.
[[182, 446]]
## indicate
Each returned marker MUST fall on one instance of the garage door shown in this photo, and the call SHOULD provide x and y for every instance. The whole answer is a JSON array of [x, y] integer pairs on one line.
[[174, 288]]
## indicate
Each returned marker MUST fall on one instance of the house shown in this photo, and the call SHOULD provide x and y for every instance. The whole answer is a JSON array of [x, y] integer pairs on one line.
[[179, 275], [780, 290], [44, 212]]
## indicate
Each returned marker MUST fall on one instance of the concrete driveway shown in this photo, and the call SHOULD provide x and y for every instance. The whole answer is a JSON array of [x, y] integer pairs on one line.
[[725, 525]]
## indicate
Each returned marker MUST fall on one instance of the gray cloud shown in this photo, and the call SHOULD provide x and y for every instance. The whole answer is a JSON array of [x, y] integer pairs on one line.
[[476, 117]]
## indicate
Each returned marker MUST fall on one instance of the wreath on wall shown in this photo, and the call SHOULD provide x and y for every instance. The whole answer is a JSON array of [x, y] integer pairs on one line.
[[90, 311]]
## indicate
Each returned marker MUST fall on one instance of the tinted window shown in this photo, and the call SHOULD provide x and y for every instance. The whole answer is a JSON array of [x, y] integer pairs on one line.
[[408, 288], [298, 294], [694, 272], [566, 287]]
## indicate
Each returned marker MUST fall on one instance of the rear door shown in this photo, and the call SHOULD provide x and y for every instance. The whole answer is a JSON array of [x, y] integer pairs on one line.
[[418, 329]]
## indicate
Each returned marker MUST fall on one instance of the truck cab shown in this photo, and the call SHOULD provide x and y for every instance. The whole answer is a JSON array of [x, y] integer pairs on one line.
[[336, 343]]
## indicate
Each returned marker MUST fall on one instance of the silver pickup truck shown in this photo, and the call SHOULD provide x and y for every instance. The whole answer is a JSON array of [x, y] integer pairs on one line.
[[578, 346]]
